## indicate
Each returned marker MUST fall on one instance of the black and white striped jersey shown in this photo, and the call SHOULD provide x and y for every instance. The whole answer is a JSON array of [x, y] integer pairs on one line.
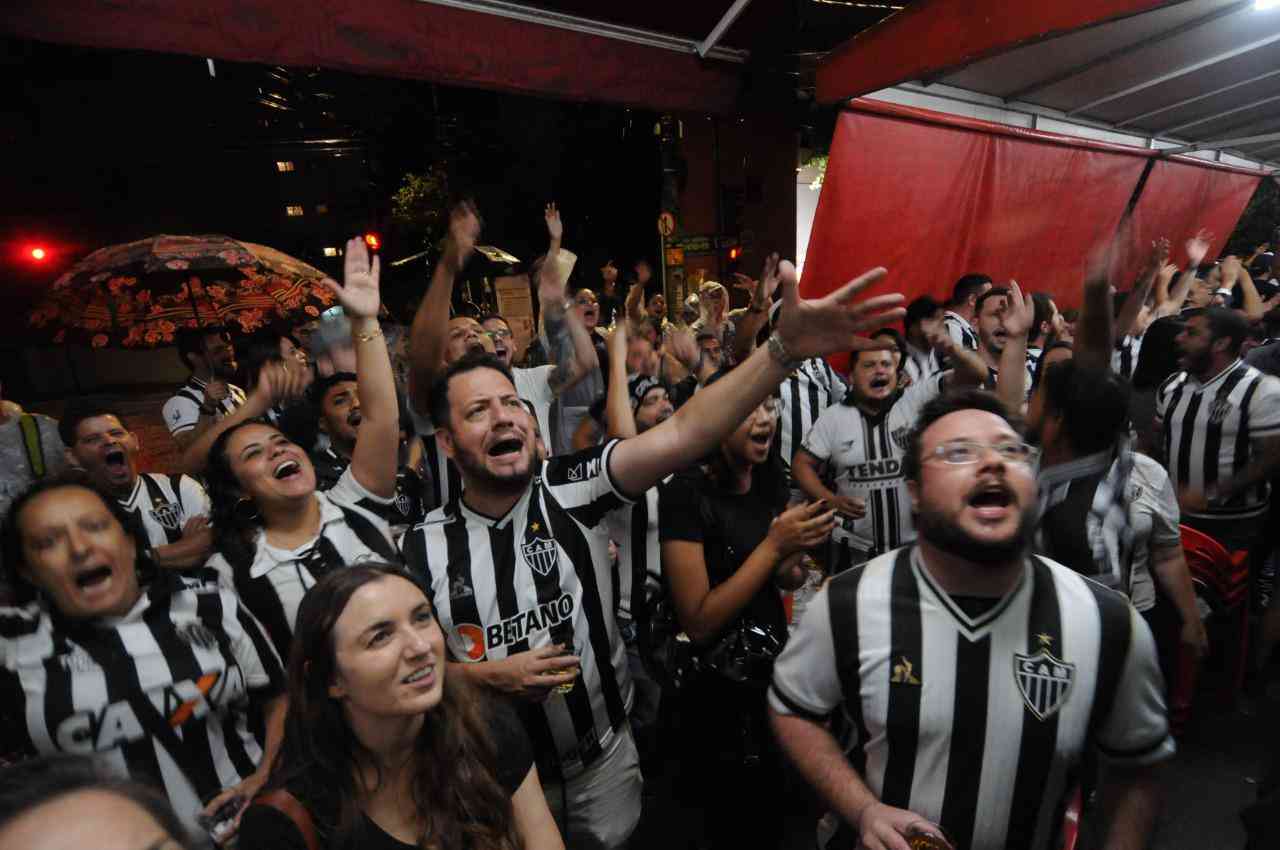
[[1208, 430], [273, 583], [539, 575], [918, 365], [960, 331], [159, 505], [638, 583], [182, 410], [975, 713], [864, 458], [1124, 359], [405, 508], [805, 394], [160, 695]]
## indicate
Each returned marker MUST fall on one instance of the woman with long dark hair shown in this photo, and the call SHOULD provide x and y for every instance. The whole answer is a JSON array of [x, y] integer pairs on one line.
[[729, 544], [155, 672], [274, 533], [383, 749]]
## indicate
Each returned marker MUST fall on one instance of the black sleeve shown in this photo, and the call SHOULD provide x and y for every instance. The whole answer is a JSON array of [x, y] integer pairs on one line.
[[680, 510], [515, 753], [268, 828]]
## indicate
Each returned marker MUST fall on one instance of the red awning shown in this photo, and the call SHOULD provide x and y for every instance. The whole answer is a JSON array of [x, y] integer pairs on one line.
[[933, 196]]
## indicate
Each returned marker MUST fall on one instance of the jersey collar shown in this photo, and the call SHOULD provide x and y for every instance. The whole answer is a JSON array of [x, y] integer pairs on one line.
[[268, 557], [1216, 378], [973, 628]]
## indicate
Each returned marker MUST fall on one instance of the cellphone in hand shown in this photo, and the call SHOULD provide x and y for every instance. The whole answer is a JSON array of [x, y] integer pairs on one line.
[[219, 823]]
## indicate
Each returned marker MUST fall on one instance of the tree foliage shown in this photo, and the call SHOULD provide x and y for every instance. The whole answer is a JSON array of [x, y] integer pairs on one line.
[[419, 208]]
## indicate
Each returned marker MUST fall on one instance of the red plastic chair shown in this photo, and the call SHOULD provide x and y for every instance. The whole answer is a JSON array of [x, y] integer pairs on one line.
[[1221, 579], [1071, 819]]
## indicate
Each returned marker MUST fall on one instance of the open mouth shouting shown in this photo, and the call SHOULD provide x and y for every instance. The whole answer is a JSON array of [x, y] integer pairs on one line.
[[95, 581], [506, 448], [992, 501], [287, 470], [354, 418], [881, 384], [116, 463]]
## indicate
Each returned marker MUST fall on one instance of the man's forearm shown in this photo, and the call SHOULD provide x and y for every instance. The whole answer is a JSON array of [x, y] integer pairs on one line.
[[807, 477], [1132, 796], [744, 338], [429, 334], [1133, 304], [1011, 386], [818, 758], [1264, 466], [191, 551]]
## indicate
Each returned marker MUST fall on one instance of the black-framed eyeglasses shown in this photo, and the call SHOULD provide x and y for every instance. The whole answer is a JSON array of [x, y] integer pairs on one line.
[[964, 452]]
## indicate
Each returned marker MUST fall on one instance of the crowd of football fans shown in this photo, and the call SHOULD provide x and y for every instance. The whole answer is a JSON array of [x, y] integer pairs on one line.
[[664, 576]]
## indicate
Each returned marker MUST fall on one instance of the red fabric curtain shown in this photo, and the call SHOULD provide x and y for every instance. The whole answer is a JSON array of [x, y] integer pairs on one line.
[[932, 197]]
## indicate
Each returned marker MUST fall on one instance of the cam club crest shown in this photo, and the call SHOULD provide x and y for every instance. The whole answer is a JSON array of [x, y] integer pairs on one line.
[[403, 505], [1219, 411], [1044, 681], [900, 436], [168, 515], [540, 554]]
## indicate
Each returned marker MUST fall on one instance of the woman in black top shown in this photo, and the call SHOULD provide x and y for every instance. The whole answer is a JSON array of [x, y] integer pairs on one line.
[[382, 750], [728, 545]]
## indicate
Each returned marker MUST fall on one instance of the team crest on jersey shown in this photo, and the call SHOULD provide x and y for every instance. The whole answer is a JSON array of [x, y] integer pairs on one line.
[[541, 555], [168, 515], [899, 436], [1219, 411], [402, 503], [1044, 681]]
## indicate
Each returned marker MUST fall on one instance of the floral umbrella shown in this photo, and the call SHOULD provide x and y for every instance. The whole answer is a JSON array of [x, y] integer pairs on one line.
[[137, 295]]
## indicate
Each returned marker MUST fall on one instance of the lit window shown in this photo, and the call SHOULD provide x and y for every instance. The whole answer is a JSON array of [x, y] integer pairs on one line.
[[293, 210], [330, 251], [322, 209], [283, 166]]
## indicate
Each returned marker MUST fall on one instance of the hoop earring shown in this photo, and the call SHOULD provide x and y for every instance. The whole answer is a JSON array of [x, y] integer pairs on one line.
[[246, 510]]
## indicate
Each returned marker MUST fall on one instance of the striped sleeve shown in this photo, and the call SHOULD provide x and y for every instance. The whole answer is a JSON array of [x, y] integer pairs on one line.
[[256, 656], [181, 414], [584, 484], [194, 498], [1264, 408]]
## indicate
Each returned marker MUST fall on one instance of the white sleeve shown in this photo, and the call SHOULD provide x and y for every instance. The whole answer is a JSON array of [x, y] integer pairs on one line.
[[195, 501], [349, 492], [920, 393], [821, 439], [805, 679], [1264, 408], [1159, 500], [180, 414], [1136, 732], [838, 388], [534, 385]]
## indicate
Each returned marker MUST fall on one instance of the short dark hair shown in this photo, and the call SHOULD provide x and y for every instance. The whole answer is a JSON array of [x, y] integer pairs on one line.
[[944, 405], [919, 310], [439, 400], [1093, 403], [28, 784], [1223, 323], [970, 284], [1042, 305], [1038, 369], [321, 386], [899, 342], [487, 316], [191, 341], [78, 410], [993, 292]]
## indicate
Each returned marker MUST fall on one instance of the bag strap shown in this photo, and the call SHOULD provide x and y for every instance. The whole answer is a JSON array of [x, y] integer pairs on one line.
[[288, 805], [31, 438]]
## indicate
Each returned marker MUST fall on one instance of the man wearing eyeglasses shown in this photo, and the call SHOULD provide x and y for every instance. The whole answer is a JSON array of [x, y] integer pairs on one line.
[[975, 676]]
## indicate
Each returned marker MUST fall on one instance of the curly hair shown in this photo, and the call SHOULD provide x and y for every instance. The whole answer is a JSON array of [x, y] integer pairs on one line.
[[234, 533], [455, 787]]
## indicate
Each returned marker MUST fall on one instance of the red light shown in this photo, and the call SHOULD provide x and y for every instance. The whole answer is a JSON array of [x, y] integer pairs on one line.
[[735, 252], [38, 254], [372, 240]]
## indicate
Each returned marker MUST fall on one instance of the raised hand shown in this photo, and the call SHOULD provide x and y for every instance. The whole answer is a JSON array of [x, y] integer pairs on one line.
[[682, 346], [1167, 271], [768, 283], [744, 282], [1231, 268], [555, 227], [1019, 311], [1160, 249], [1198, 247], [464, 230], [820, 326], [358, 294], [216, 390]]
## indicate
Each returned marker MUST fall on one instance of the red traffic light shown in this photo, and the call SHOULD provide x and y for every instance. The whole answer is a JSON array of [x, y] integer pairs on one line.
[[37, 253], [735, 252], [372, 240]]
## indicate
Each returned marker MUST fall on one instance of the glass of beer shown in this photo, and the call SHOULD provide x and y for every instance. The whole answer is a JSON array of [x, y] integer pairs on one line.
[[564, 689], [921, 836]]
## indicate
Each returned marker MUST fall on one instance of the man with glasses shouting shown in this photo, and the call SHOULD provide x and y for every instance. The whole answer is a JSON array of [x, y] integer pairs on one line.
[[974, 675]]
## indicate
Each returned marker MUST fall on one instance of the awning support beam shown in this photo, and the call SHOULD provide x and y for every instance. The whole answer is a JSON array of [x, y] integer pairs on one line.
[[1178, 104], [722, 26], [1222, 143], [1207, 118], [1127, 50], [1207, 62]]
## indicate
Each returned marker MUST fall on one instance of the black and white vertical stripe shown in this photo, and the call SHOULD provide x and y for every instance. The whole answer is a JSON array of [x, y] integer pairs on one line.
[[537, 576], [1107, 528], [1208, 430], [160, 695], [1125, 357], [960, 331], [805, 394], [160, 505], [638, 581]]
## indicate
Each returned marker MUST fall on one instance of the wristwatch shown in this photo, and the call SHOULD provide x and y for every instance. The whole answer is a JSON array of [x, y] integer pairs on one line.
[[778, 351]]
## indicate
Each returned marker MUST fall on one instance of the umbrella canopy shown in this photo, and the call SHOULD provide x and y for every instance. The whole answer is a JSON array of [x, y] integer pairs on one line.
[[137, 295]]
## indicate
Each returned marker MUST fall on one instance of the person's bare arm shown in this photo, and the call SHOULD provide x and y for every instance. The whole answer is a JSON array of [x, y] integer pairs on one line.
[[1254, 307], [569, 342], [635, 304], [1169, 568], [1011, 386], [277, 381], [533, 820], [1131, 796], [528, 675], [1138, 295], [1197, 248], [620, 418], [192, 550], [744, 340], [429, 334], [704, 611], [375, 459], [808, 328], [1094, 332], [819, 759]]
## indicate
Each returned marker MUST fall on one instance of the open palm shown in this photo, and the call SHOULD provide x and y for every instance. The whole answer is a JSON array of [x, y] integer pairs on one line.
[[358, 294], [834, 323]]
